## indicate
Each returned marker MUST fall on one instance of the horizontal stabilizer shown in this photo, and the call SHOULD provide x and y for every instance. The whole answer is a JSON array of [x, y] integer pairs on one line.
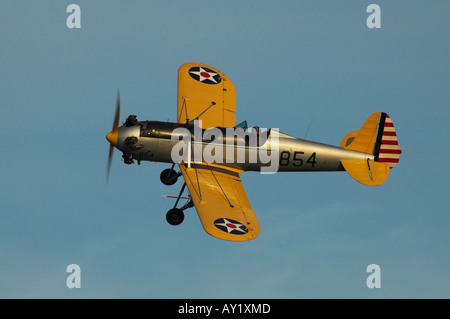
[[368, 172], [348, 139]]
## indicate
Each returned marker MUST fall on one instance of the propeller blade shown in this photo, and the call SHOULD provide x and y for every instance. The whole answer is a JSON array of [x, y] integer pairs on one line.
[[112, 136], [117, 115], [110, 157]]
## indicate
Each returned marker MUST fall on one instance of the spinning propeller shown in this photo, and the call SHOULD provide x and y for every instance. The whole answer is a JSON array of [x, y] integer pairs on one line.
[[113, 136]]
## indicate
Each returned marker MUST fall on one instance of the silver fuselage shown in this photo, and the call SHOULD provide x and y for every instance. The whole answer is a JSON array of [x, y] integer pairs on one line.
[[168, 142]]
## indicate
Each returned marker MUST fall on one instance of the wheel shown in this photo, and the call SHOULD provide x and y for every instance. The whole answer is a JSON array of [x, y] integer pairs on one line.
[[175, 216], [168, 176]]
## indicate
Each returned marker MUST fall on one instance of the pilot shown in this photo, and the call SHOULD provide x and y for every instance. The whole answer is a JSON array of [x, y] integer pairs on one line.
[[255, 130]]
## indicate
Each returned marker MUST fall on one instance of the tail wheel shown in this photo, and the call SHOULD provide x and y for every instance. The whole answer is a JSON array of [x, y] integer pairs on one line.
[[175, 216]]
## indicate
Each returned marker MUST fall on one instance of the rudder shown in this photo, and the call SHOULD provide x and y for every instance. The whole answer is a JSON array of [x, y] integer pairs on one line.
[[387, 149]]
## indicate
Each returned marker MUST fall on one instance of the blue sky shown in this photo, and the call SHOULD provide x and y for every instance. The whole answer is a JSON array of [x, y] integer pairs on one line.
[[293, 64]]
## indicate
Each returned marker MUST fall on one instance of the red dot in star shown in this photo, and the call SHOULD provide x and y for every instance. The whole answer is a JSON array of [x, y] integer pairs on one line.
[[205, 74], [231, 226]]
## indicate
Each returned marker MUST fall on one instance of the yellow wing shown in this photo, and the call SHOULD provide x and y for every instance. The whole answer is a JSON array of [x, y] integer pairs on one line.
[[221, 202], [201, 86]]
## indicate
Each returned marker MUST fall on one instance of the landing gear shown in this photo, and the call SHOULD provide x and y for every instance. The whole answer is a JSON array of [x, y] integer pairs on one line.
[[168, 176], [175, 216]]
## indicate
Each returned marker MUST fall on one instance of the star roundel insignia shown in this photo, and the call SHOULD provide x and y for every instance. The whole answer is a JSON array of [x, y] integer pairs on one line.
[[231, 226], [204, 75]]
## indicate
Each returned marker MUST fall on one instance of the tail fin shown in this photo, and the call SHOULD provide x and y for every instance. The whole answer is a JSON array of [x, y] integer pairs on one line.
[[377, 137]]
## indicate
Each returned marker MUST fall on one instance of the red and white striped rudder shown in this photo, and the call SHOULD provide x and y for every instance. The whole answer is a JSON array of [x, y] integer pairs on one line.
[[387, 149]]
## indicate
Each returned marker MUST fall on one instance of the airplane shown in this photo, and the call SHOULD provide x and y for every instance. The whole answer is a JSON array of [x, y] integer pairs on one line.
[[206, 114]]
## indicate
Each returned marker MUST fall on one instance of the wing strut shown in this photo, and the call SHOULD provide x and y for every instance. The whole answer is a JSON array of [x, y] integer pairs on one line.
[[185, 109], [212, 103], [215, 178], [196, 118], [218, 184], [191, 149]]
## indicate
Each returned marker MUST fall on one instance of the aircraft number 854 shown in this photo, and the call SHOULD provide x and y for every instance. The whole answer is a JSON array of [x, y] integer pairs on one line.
[[285, 159]]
